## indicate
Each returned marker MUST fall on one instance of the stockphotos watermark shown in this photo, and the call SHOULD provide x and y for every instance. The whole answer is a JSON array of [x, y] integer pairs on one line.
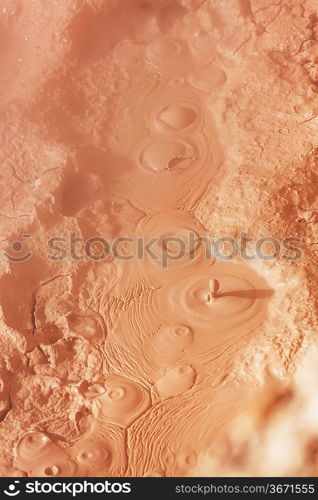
[[73, 488], [162, 249]]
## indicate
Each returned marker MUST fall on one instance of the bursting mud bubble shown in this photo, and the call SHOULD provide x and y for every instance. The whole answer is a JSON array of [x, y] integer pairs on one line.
[[159, 208]]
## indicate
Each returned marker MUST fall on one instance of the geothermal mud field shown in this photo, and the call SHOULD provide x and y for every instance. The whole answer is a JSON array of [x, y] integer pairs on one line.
[[133, 133]]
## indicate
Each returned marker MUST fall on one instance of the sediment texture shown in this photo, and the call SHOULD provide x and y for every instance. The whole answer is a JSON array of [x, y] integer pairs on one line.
[[156, 119]]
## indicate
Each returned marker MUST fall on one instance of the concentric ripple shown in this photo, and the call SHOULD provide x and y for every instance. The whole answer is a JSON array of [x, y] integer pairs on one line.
[[240, 304], [96, 454], [168, 345], [34, 445], [177, 246], [123, 402], [168, 56], [177, 117], [170, 150], [39, 456], [175, 111], [237, 295], [168, 155], [63, 467]]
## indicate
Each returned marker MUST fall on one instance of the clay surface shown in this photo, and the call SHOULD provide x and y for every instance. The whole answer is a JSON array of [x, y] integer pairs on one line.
[[149, 125]]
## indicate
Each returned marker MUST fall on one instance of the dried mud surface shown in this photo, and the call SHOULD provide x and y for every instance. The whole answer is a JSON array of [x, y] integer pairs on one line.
[[156, 118]]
